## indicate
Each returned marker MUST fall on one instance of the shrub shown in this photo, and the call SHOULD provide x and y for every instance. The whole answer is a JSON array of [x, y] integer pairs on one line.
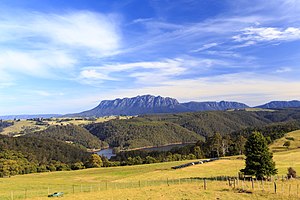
[[290, 138], [291, 173]]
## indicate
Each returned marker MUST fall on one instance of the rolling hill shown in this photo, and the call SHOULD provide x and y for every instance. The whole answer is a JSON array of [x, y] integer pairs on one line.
[[71, 134], [280, 104], [139, 132]]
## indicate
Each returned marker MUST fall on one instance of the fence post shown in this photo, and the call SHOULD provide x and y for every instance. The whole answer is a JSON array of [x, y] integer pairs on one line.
[[252, 182], [204, 184], [275, 187], [233, 183], [168, 181]]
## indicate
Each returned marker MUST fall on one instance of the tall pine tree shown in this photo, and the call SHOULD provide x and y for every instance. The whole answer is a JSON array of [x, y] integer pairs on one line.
[[259, 160]]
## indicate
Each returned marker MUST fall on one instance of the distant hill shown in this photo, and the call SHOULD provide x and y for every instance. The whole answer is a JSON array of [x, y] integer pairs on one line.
[[72, 134], [44, 150], [222, 105], [12, 117], [280, 104], [141, 132], [157, 130], [148, 104]]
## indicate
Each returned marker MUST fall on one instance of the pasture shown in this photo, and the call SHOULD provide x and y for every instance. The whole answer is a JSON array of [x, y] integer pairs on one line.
[[31, 126], [154, 181]]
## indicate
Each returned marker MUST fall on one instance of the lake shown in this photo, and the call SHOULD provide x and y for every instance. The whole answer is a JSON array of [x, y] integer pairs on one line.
[[108, 153]]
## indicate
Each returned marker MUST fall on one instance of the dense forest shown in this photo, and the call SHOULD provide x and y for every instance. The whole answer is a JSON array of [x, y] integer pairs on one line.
[[22, 155], [157, 130], [213, 134], [72, 134], [140, 132], [215, 145]]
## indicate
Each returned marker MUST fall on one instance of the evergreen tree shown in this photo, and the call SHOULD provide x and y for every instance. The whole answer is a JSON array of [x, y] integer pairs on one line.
[[259, 160]]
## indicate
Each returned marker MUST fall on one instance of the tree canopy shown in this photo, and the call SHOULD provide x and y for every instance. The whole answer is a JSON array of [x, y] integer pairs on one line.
[[259, 160]]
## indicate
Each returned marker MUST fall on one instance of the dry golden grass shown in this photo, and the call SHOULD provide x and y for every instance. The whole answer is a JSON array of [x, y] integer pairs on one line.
[[29, 124], [123, 182], [295, 143], [195, 190], [21, 126]]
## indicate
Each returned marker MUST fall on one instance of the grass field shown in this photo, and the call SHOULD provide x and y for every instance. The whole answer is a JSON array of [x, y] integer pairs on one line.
[[22, 125], [293, 137], [149, 182]]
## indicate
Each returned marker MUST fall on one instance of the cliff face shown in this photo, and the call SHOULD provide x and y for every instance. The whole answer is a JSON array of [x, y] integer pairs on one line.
[[148, 104]]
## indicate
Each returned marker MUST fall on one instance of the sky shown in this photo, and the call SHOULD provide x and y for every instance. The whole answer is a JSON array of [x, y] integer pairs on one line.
[[66, 56]]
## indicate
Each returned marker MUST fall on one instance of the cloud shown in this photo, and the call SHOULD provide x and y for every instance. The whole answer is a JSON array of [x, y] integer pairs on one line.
[[261, 34], [205, 46], [82, 30], [150, 72], [35, 63], [49, 45], [45, 93], [283, 70], [250, 88], [95, 32]]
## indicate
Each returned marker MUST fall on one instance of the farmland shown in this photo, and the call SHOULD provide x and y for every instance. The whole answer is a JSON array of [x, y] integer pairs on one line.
[[151, 181], [21, 126]]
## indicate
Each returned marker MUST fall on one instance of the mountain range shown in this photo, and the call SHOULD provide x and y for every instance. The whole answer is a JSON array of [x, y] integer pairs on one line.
[[149, 104], [280, 104]]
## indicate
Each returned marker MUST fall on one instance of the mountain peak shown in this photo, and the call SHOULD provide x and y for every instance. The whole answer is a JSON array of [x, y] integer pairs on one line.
[[280, 104], [149, 104]]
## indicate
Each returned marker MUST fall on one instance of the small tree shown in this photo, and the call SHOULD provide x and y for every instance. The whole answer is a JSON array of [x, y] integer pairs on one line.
[[291, 173], [258, 158], [94, 161], [287, 144]]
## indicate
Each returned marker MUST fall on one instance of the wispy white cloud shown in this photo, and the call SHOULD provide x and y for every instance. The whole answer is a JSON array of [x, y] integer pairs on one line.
[[205, 46], [283, 70], [260, 34], [250, 88], [84, 30], [45, 93], [40, 64], [51, 45], [150, 72]]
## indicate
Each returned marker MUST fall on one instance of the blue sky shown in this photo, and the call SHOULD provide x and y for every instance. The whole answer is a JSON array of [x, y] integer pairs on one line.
[[66, 56]]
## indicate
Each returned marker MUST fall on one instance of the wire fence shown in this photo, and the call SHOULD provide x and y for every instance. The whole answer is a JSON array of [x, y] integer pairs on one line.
[[281, 187]]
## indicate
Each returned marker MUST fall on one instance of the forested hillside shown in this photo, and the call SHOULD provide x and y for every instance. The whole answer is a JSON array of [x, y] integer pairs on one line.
[[43, 150], [4, 124], [226, 122], [141, 132], [155, 130], [71, 134]]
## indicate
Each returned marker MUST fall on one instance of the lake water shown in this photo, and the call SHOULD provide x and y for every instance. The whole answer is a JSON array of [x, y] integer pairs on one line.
[[108, 153]]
